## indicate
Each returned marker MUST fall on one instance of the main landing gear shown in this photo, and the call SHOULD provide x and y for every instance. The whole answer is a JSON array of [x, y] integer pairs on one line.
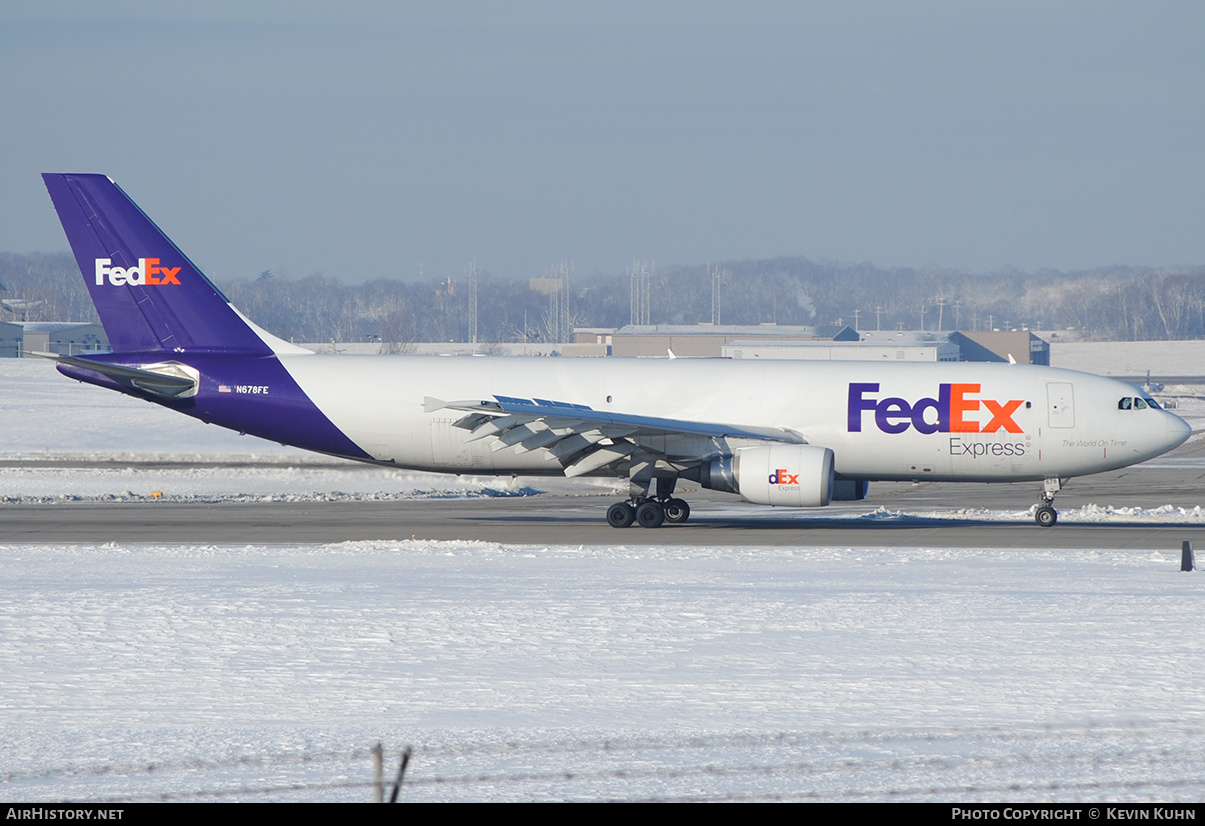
[[650, 511], [1045, 514]]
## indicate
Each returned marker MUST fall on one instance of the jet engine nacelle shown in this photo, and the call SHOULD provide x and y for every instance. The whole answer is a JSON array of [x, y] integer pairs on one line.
[[794, 476]]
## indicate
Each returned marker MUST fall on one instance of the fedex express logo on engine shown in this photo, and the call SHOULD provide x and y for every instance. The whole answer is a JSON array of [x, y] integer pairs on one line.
[[782, 477], [148, 271], [955, 410]]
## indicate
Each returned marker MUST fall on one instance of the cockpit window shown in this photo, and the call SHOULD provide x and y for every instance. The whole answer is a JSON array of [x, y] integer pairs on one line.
[[1131, 403]]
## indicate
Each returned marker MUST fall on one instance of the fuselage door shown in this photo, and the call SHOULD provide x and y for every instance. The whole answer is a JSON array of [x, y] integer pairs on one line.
[[1061, 399], [447, 445]]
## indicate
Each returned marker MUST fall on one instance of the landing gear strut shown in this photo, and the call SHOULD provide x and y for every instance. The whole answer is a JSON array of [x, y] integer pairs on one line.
[[649, 511], [1045, 514]]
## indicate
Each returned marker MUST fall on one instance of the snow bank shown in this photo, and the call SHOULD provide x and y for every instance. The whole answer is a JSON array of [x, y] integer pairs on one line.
[[641, 672]]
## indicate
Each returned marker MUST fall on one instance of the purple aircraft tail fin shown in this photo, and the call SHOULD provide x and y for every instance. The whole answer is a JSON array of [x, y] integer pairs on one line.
[[150, 297]]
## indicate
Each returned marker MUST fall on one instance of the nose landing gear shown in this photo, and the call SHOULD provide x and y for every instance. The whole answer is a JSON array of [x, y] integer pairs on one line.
[[1045, 514]]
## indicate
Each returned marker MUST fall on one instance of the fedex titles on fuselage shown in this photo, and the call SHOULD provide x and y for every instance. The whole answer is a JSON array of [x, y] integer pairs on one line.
[[950, 412], [148, 271]]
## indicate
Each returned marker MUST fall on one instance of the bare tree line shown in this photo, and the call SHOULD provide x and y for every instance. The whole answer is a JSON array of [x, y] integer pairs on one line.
[[1118, 303]]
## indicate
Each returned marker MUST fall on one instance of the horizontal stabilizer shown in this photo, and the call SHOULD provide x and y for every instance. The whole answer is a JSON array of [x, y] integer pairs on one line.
[[169, 379]]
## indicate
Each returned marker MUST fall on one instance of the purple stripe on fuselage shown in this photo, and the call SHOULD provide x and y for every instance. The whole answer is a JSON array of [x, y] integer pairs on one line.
[[259, 397]]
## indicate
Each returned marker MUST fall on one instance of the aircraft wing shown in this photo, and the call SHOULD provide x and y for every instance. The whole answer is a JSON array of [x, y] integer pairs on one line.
[[583, 439]]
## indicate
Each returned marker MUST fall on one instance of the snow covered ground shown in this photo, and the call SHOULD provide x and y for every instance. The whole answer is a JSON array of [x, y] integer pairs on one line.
[[1129, 358], [813, 673], [266, 672]]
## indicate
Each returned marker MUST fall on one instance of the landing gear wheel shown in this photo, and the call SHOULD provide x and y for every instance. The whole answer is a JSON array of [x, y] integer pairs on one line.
[[1045, 516], [677, 511], [621, 515], [650, 514]]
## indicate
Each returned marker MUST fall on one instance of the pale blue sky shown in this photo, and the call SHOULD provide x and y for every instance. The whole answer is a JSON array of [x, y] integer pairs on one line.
[[359, 139]]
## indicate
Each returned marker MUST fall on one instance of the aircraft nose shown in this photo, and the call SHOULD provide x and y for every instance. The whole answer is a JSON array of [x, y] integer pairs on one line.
[[1178, 431]]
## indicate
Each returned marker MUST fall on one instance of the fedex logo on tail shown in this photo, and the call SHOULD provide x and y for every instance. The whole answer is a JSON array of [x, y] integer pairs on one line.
[[148, 271], [950, 412]]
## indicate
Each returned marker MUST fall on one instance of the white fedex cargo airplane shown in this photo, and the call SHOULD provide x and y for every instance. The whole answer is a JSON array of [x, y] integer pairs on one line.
[[784, 433]]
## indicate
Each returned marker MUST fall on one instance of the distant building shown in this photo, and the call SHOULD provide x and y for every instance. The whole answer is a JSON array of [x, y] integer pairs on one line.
[[589, 341], [844, 350], [1022, 345], [904, 336], [66, 338], [708, 340], [827, 343], [11, 334]]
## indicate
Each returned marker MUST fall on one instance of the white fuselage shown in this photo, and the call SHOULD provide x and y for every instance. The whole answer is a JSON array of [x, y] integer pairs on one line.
[[883, 421]]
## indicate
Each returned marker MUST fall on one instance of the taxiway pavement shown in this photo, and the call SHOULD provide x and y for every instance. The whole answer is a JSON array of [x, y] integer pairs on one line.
[[717, 519]]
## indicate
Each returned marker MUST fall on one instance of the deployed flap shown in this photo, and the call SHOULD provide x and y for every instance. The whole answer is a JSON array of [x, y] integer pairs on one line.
[[585, 440], [565, 414]]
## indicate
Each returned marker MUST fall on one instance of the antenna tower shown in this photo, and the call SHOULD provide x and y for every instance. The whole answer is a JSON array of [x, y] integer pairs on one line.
[[557, 286], [473, 273], [566, 270], [640, 287], [717, 279]]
